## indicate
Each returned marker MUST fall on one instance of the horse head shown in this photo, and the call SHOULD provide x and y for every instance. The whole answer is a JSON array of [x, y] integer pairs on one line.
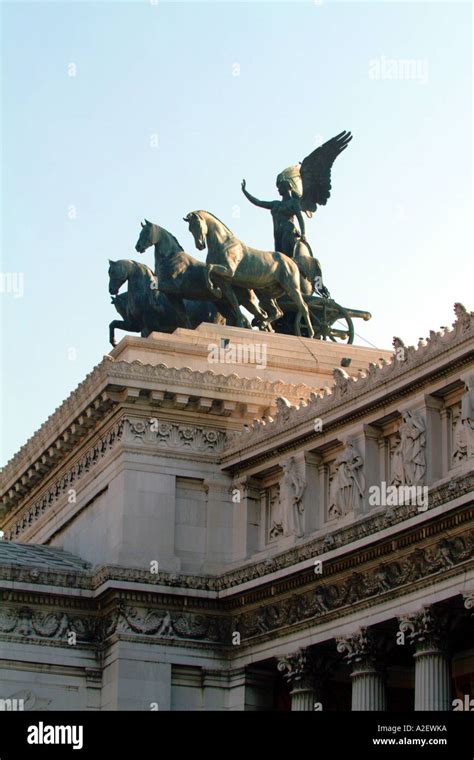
[[118, 274], [148, 236], [197, 228]]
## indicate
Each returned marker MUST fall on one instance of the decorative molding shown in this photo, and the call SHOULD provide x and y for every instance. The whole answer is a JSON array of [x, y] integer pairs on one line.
[[67, 481], [359, 587], [46, 448], [198, 380], [45, 435], [30, 623], [256, 614], [163, 434], [165, 624], [347, 388]]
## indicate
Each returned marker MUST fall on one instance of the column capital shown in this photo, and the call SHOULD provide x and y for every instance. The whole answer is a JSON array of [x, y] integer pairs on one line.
[[371, 432], [249, 485], [360, 649], [425, 630], [433, 402], [305, 457], [468, 597], [301, 669]]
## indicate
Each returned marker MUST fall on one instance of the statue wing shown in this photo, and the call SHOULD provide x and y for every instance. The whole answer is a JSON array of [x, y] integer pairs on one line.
[[316, 171]]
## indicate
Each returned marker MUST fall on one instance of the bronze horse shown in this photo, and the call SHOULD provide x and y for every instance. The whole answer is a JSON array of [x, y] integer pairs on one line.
[[182, 276], [143, 308], [232, 263]]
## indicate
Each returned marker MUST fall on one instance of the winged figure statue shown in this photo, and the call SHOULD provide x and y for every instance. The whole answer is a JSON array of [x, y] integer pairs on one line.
[[302, 187]]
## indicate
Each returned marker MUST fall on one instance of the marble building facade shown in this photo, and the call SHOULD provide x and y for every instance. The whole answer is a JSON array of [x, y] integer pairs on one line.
[[181, 535]]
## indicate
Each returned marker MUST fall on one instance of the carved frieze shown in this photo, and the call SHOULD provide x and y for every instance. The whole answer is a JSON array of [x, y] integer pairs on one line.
[[165, 624], [31, 623], [325, 598], [163, 434]]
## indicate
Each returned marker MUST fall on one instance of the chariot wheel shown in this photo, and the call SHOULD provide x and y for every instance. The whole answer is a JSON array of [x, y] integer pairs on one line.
[[324, 315]]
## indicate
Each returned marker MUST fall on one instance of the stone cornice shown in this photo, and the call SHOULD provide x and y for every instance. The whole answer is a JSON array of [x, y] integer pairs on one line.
[[144, 374], [112, 382], [65, 481], [134, 432], [66, 414], [349, 394]]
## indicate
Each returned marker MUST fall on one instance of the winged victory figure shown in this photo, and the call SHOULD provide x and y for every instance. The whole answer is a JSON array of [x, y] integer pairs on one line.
[[302, 187]]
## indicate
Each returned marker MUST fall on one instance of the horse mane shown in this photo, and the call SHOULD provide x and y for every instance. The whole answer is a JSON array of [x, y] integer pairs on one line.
[[144, 268], [170, 235], [202, 211]]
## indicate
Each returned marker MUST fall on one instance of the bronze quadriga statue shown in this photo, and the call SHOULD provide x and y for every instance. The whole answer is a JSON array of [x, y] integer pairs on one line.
[[282, 289]]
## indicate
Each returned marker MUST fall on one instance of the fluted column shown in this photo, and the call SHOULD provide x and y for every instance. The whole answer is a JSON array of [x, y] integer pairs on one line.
[[368, 677], [303, 671], [432, 661]]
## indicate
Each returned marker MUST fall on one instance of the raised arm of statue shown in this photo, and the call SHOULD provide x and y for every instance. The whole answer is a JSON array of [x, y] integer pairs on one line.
[[256, 201]]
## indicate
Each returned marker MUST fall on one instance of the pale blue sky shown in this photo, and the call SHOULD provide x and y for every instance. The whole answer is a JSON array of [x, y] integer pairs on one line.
[[395, 237]]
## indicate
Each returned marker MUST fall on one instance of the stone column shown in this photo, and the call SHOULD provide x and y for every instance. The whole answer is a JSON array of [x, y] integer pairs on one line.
[[432, 662], [368, 677], [303, 671]]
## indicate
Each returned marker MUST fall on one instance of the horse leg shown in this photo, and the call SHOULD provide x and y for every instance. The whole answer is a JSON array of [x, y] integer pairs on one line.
[[232, 258], [302, 307], [289, 280], [214, 289], [273, 311], [118, 324], [229, 295], [249, 301]]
